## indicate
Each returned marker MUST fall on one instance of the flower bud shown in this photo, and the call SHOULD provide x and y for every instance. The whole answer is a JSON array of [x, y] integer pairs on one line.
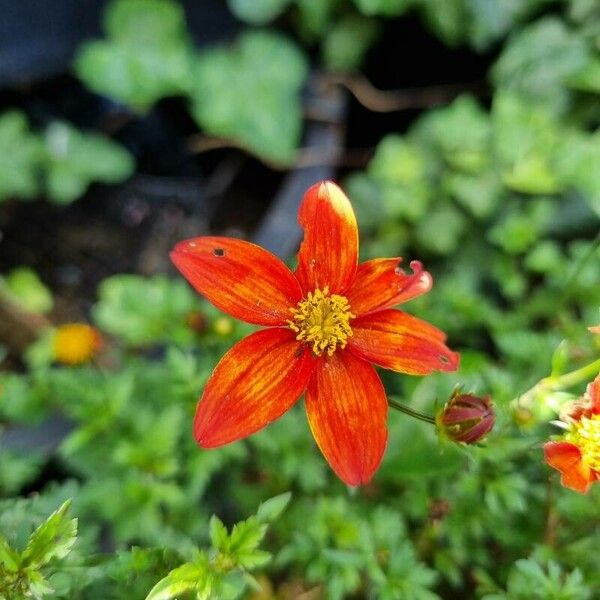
[[196, 321], [466, 418]]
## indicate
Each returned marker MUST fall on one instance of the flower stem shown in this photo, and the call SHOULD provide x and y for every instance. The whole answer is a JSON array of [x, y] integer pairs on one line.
[[411, 411], [560, 382], [574, 377]]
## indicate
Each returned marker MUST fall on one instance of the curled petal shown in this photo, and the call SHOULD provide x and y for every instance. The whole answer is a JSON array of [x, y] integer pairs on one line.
[[566, 458], [240, 278], [257, 381], [381, 283], [328, 254], [586, 406], [347, 413], [593, 393], [395, 340]]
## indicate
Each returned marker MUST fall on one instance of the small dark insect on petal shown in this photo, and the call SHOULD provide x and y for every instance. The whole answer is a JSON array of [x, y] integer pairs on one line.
[[299, 352], [218, 251]]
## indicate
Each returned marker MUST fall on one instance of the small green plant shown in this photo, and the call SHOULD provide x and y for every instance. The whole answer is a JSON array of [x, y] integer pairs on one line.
[[61, 163], [24, 573]]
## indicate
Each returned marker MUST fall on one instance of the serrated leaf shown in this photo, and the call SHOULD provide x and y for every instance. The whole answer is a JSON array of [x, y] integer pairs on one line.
[[270, 509], [52, 539], [9, 558], [246, 536], [218, 533], [186, 578]]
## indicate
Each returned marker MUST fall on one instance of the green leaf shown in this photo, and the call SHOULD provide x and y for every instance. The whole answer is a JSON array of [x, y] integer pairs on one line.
[[441, 232], [245, 538], [139, 22], [415, 451], [9, 558], [347, 42], [263, 66], [538, 61], [526, 138], [145, 310], [188, 577], [24, 284], [401, 167], [461, 132], [490, 21], [22, 156], [388, 8], [577, 166], [257, 12], [76, 159], [270, 509], [52, 539], [218, 533], [147, 55]]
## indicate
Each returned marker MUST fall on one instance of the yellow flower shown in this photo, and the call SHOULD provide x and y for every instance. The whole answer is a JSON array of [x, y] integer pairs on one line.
[[76, 343]]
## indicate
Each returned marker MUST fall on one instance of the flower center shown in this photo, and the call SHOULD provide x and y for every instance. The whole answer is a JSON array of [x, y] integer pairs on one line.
[[586, 436], [323, 321]]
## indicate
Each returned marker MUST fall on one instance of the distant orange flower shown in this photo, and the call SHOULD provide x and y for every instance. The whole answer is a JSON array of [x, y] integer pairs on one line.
[[595, 329], [76, 343], [326, 323], [577, 454]]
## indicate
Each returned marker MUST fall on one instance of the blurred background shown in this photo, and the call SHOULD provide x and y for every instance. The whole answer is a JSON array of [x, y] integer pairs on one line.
[[465, 133]]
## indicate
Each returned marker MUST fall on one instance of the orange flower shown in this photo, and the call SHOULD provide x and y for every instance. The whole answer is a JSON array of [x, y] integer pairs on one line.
[[76, 343], [325, 323], [577, 454]]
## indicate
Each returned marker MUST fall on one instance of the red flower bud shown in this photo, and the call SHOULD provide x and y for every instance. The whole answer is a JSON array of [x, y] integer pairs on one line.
[[466, 418]]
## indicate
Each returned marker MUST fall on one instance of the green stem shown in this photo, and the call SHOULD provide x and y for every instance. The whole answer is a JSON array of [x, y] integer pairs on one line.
[[570, 379], [411, 411]]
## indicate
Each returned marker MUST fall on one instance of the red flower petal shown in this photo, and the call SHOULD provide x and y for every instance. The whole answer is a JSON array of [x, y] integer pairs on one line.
[[381, 283], [566, 458], [394, 340], [347, 413], [240, 278], [257, 381], [593, 392], [329, 253]]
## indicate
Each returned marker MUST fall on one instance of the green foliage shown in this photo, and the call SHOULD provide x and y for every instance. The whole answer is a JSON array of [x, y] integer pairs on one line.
[[223, 572], [146, 55], [501, 202], [257, 12], [22, 153], [62, 163], [24, 285], [347, 42], [530, 580], [541, 60], [271, 124], [24, 573], [142, 311], [76, 159]]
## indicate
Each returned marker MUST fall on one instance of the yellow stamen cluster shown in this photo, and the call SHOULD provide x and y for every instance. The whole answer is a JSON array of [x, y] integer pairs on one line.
[[322, 321], [586, 436]]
